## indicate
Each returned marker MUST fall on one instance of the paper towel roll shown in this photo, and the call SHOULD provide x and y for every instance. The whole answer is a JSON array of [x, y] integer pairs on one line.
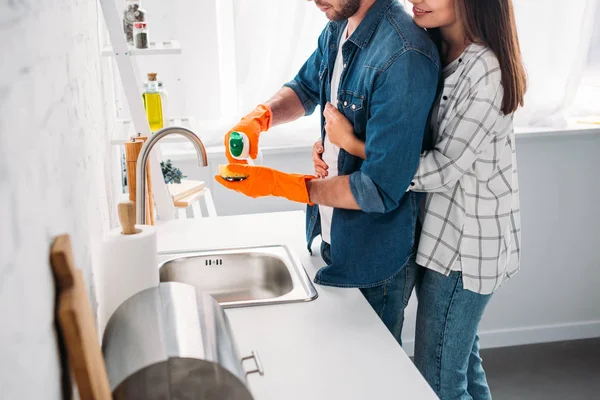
[[127, 264]]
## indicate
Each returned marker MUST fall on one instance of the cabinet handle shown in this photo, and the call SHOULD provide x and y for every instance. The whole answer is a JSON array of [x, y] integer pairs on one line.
[[259, 368]]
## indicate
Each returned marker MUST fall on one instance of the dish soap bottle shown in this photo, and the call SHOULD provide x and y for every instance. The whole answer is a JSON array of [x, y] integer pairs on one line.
[[239, 148], [239, 145], [153, 103]]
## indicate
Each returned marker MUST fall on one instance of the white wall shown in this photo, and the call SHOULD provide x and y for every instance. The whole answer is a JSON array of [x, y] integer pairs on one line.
[[555, 296], [53, 142]]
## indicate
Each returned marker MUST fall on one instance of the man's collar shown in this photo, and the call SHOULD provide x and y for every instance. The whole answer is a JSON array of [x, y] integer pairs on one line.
[[363, 33]]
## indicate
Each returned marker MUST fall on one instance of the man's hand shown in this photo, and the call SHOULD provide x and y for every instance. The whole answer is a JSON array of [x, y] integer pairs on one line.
[[259, 120], [317, 156], [263, 181]]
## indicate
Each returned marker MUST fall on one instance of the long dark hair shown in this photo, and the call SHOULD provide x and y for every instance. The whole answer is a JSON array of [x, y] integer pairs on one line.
[[492, 23]]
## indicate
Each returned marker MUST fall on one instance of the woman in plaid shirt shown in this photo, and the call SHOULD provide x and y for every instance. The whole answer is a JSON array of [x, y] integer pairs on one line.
[[470, 232]]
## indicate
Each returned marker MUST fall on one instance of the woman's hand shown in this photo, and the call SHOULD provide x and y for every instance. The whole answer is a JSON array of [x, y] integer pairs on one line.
[[317, 156], [340, 132]]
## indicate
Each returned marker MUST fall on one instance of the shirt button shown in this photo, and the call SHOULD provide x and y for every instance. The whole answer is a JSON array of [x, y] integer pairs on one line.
[[460, 60], [353, 106], [345, 103], [345, 65], [445, 97], [412, 184]]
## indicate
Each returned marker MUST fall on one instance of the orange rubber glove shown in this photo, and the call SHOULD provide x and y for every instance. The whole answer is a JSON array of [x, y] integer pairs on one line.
[[259, 120], [263, 181]]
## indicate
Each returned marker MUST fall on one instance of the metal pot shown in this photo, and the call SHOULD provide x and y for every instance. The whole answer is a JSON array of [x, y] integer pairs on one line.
[[173, 342]]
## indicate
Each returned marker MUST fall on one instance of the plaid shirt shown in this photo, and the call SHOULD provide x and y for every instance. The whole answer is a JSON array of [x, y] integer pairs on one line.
[[471, 219]]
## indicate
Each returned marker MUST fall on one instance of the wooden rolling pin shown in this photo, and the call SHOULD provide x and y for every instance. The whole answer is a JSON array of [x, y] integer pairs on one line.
[[132, 152]]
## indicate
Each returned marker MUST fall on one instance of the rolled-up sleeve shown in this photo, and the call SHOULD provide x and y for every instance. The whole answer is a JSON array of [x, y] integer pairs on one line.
[[399, 111], [365, 193], [306, 83]]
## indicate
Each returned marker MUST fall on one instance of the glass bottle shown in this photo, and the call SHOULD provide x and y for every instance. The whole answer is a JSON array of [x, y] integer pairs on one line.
[[153, 103], [164, 98]]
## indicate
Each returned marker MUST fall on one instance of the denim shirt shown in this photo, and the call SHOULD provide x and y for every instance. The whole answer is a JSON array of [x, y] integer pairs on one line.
[[387, 87]]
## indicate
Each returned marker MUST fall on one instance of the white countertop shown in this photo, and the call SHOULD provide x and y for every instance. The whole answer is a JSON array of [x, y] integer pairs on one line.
[[334, 347]]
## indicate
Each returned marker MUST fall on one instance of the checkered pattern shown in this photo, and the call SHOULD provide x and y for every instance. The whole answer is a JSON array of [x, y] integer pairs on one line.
[[471, 220]]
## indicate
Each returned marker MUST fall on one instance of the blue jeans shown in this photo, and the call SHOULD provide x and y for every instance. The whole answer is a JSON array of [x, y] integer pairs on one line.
[[390, 298], [446, 342]]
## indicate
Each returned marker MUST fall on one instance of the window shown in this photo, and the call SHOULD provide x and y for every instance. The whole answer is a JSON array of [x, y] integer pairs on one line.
[[273, 39], [560, 42], [586, 104], [556, 39], [267, 41]]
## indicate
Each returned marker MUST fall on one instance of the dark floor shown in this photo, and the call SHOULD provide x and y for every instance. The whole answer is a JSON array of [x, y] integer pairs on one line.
[[549, 371]]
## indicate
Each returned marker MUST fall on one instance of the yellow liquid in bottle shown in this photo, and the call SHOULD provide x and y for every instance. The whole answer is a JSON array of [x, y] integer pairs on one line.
[[153, 106]]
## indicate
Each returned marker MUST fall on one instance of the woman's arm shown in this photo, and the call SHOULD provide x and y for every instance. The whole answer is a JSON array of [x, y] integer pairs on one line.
[[469, 132], [341, 132], [356, 148]]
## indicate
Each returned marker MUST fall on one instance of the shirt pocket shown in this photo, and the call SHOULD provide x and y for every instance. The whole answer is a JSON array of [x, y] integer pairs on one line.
[[352, 105]]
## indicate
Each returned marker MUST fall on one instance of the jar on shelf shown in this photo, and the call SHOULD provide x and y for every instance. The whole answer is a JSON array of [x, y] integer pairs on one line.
[[133, 13], [140, 35]]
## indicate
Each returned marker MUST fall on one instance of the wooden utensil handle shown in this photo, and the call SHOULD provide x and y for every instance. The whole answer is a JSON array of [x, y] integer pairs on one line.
[[127, 217]]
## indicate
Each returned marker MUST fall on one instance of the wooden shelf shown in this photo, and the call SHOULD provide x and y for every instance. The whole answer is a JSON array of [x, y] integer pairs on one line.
[[125, 130], [154, 48]]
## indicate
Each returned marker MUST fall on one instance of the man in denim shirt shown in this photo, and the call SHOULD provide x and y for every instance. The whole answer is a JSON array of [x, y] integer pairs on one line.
[[386, 79]]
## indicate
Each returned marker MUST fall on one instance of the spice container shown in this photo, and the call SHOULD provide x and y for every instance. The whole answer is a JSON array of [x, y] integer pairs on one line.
[[140, 35], [133, 13]]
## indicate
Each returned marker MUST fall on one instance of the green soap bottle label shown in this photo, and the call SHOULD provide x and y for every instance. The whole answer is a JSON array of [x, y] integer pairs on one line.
[[236, 144]]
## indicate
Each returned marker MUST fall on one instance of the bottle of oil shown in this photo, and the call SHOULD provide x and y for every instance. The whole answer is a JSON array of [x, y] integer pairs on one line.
[[164, 99], [153, 103]]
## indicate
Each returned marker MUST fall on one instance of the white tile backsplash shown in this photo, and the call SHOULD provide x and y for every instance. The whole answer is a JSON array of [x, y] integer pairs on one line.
[[54, 165]]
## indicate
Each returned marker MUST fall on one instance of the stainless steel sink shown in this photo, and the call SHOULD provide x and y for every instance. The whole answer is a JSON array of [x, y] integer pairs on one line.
[[241, 277]]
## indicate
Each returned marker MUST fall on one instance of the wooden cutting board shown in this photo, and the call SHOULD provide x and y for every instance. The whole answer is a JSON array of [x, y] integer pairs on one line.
[[76, 323], [189, 200], [186, 188]]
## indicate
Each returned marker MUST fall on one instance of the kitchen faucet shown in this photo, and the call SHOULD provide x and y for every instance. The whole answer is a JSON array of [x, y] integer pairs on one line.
[[143, 160]]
